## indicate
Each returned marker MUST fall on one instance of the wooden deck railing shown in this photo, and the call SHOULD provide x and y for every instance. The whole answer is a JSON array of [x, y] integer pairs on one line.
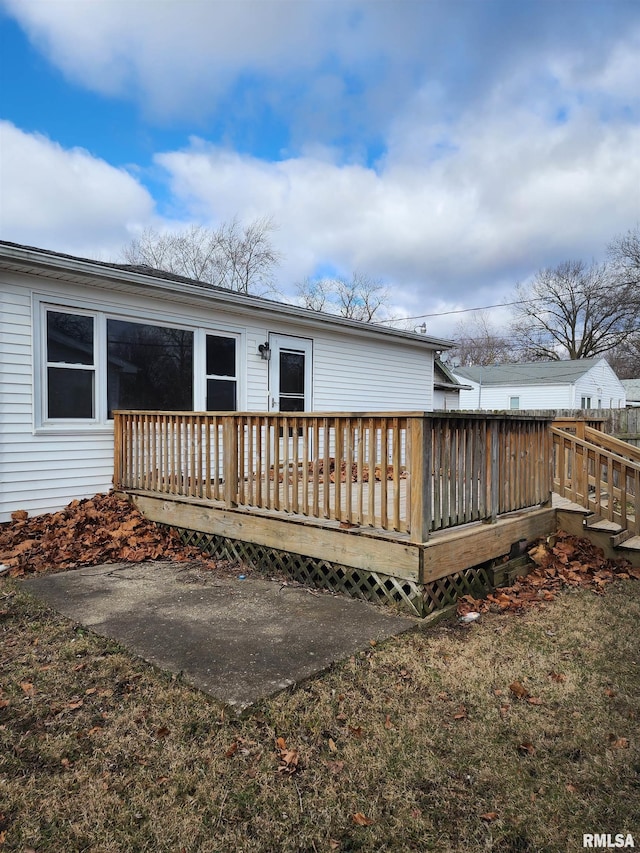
[[600, 473], [408, 472]]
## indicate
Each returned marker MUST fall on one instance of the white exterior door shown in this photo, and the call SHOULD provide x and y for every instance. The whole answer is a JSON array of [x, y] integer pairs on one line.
[[290, 372]]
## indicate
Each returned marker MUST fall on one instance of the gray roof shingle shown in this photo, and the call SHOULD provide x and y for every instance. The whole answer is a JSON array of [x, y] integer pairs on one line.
[[529, 373]]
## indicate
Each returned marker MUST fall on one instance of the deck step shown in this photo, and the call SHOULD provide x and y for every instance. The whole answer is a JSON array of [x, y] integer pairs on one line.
[[618, 538], [601, 524], [630, 544]]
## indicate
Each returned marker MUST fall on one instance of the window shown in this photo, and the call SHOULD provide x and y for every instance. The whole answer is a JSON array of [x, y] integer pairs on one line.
[[149, 367], [222, 380], [71, 366], [585, 403], [514, 402], [91, 364]]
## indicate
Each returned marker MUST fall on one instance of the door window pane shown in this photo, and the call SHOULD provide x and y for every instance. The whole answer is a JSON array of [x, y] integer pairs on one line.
[[291, 372], [291, 404], [149, 367], [69, 393]]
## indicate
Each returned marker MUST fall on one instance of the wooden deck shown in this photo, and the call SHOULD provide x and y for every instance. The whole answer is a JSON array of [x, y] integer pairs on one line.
[[411, 495]]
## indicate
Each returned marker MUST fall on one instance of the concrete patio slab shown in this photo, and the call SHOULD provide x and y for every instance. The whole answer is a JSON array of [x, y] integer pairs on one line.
[[238, 640]]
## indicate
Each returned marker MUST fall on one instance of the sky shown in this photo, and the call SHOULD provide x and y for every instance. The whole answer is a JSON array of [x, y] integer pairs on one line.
[[447, 148]]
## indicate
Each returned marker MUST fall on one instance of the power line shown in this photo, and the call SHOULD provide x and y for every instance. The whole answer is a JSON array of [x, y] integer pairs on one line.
[[489, 307]]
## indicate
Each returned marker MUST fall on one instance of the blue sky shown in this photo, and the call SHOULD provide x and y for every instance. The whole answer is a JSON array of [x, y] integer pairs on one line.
[[449, 148]]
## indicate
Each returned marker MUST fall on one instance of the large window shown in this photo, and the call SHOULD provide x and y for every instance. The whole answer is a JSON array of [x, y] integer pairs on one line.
[[222, 380], [149, 367], [93, 364], [71, 366]]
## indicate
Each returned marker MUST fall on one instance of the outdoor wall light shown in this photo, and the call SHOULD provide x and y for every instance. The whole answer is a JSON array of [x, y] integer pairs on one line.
[[265, 351]]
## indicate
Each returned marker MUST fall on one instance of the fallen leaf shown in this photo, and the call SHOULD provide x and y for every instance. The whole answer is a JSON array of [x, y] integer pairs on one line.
[[534, 700], [232, 750], [73, 706], [526, 748], [618, 742], [162, 732], [90, 691], [361, 819], [610, 693], [335, 767], [387, 722], [489, 816], [557, 677], [28, 688], [356, 731], [571, 788], [332, 745], [518, 690]]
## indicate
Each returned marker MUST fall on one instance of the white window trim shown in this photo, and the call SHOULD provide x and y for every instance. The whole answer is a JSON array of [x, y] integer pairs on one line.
[[100, 423]]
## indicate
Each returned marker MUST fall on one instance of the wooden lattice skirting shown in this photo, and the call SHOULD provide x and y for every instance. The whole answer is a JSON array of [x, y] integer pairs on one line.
[[416, 598]]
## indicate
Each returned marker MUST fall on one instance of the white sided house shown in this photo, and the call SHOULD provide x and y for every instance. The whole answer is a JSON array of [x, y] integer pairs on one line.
[[81, 338], [587, 383]]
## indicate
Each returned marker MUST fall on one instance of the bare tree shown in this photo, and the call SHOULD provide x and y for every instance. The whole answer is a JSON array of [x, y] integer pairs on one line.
[[358, 298], [236, 257], [574, 311], [624, 254], [478, 342], [625, 359]]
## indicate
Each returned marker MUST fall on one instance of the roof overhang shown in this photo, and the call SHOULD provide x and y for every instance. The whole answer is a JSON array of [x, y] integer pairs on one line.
[[40, 262]]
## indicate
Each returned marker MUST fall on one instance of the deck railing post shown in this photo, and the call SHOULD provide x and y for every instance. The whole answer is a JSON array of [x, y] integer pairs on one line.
[[230, 461], [117, 450], [420, 472], [493, 471]]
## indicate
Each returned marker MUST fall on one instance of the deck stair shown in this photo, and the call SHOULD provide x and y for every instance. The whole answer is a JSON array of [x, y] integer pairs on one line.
[[598, 478]]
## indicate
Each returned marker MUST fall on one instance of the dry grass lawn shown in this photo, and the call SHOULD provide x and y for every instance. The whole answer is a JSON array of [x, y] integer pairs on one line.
[[517, 734]]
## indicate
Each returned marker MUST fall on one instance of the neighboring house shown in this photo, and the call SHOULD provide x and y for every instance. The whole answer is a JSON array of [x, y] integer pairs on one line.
[[446, 393], [632, 391], [80, 338], [587, 383]]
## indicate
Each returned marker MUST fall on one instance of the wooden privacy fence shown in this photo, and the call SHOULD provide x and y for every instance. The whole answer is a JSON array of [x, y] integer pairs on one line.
[[412, 473], [599, 472]]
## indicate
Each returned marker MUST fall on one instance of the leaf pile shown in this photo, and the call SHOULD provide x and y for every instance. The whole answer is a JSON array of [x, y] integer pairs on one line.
[[560, 561], [102, 529]]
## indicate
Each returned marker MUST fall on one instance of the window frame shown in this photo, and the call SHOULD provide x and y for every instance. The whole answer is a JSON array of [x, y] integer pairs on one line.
[[101, 312], [515, 408], [218, 376], [42, 355]]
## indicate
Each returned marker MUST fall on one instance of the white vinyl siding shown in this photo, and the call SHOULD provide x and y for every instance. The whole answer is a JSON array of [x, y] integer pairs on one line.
[[353, 374]]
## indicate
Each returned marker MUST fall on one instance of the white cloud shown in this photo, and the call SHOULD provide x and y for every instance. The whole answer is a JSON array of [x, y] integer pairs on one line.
[[514, 193], [66, 200]]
